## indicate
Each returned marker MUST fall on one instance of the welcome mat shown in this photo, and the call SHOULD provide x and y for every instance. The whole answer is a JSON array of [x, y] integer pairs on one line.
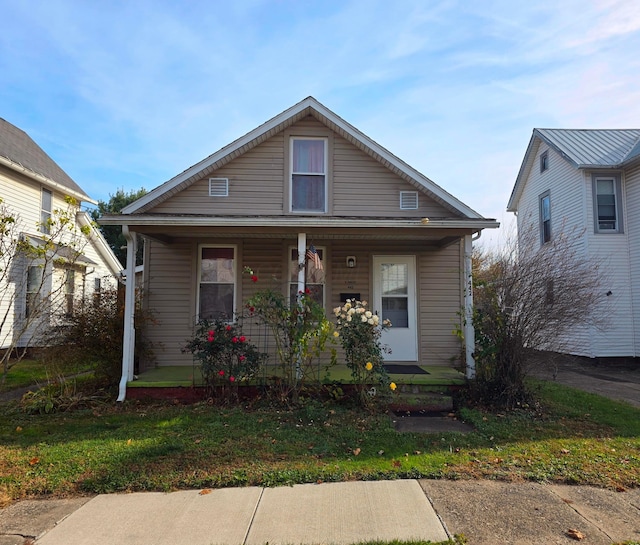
[[405, 370]]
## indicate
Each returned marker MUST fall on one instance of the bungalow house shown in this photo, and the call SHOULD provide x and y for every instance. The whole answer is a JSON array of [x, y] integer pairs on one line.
[[587, 183], [33, 188], [304, 186]]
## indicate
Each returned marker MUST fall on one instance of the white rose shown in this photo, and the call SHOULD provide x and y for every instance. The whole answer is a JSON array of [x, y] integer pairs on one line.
[[370, 321], [368, 314], [364, 319]]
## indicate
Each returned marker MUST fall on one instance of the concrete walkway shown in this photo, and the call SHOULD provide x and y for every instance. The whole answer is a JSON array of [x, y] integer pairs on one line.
[[486, 512]]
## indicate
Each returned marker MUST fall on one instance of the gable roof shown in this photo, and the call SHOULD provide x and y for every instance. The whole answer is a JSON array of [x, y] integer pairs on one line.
[[308, 106], [582, 148], [19, 152]]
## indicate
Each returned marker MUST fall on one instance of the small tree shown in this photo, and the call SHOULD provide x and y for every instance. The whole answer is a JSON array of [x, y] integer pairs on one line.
[[113, 233], [29, 296], [529, 297]]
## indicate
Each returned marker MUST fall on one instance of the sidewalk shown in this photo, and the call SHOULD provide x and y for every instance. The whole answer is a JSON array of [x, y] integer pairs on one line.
[[486, 512]]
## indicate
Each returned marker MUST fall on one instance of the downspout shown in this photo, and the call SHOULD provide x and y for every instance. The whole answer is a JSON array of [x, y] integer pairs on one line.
[[469, 331], [129, 336]]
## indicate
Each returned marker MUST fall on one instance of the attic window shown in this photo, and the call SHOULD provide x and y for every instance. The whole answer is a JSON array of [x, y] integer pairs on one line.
[[408, 200], [544, 161], [218, 187]]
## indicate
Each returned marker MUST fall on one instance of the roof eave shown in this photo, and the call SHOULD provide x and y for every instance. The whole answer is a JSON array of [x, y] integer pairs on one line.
[[289, 116], [82, 197]]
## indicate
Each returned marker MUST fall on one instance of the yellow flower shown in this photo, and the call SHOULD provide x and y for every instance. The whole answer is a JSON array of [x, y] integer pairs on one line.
[[369, 366], [336, 334], [393, 386]]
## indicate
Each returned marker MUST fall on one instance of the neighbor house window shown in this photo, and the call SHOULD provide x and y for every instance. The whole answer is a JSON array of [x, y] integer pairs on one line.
[[217, 282], [45, 211], [606, 203], [545, 217], [308, 175], [544, 161], [69, 290], [34, 286], [314, 274]]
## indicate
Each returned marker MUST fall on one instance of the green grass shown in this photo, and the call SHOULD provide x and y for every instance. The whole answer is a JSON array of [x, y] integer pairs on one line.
[[573, 438], [24, 373]]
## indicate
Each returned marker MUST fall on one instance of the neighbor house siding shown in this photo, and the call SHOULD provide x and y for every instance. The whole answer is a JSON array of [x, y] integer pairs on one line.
[[569, 217], [632, 202], [259, 183]]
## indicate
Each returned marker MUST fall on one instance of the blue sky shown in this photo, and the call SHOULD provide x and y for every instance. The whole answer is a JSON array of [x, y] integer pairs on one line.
[[126, 94]]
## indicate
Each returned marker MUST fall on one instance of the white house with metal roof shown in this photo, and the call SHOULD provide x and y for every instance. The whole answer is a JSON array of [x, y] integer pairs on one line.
[[304, 179], [32, 188], [587, 182]]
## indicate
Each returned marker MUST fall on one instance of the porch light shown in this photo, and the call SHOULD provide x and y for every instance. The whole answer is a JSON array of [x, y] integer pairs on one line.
[[351, 261]]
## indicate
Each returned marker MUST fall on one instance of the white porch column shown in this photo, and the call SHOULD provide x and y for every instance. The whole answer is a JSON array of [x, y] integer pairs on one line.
[[469, 331], [129, 337], [302, 252]]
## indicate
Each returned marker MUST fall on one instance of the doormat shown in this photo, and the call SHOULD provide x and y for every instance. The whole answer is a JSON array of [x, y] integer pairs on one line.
[[405, 370]]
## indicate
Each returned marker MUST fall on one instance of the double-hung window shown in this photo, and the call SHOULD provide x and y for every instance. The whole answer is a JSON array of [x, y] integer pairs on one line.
[[606, 200], [45, 211], [308, 174], [34, 287], [217, 282], [314, 275], [545, 217]]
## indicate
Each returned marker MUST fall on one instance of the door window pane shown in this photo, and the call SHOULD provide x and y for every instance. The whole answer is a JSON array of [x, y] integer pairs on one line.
[[395, 278], [396, 309]]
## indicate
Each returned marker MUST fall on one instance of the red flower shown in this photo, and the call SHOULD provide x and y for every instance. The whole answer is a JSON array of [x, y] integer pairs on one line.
[[252, 309], [242, 339], [254, 278], [307, 291], [221, 373], [232, 379], [242, 358], [234, 340], [228, 328], [210, 337]]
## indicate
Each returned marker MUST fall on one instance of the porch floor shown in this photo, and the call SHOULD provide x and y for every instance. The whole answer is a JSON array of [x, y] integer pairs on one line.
[[188, 376]]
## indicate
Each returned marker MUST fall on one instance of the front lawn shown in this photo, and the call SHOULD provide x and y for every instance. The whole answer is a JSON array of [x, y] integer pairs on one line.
[[575, 437]]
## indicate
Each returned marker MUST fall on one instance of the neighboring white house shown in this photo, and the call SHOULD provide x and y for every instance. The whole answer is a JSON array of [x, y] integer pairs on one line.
[[587, 183], [32, 188]]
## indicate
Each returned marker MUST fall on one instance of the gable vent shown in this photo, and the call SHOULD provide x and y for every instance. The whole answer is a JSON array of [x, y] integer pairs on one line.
[[218, 187], [408, 200]]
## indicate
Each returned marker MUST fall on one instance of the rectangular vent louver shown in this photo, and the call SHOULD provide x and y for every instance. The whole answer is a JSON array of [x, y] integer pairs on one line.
[[408, 200], [218, 187]]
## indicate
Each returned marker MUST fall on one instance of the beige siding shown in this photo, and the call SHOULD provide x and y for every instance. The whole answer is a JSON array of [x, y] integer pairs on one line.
[[258, 183], [172, 286]]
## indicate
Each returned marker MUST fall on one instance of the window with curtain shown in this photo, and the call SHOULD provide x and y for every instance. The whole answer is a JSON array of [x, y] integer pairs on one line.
[[606, 204], [308, 175], [217, 283]]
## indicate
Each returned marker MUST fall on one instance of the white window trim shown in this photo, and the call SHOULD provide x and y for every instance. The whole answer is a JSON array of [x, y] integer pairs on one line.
[[617, 194], [409, 200], [218, 187], [325, 173], [199, 277], [541, 198], [44, 228]]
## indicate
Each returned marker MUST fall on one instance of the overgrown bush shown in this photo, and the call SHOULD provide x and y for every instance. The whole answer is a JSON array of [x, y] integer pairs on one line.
[[527, 298], [92, 335], [301, 333], [225, 355]]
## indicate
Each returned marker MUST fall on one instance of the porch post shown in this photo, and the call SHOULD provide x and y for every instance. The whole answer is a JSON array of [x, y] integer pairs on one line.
[[302, 252], [129, 337], [302, 274], [469, 332]]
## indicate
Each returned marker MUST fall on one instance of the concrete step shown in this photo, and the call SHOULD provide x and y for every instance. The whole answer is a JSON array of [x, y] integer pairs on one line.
[[413, 401]]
